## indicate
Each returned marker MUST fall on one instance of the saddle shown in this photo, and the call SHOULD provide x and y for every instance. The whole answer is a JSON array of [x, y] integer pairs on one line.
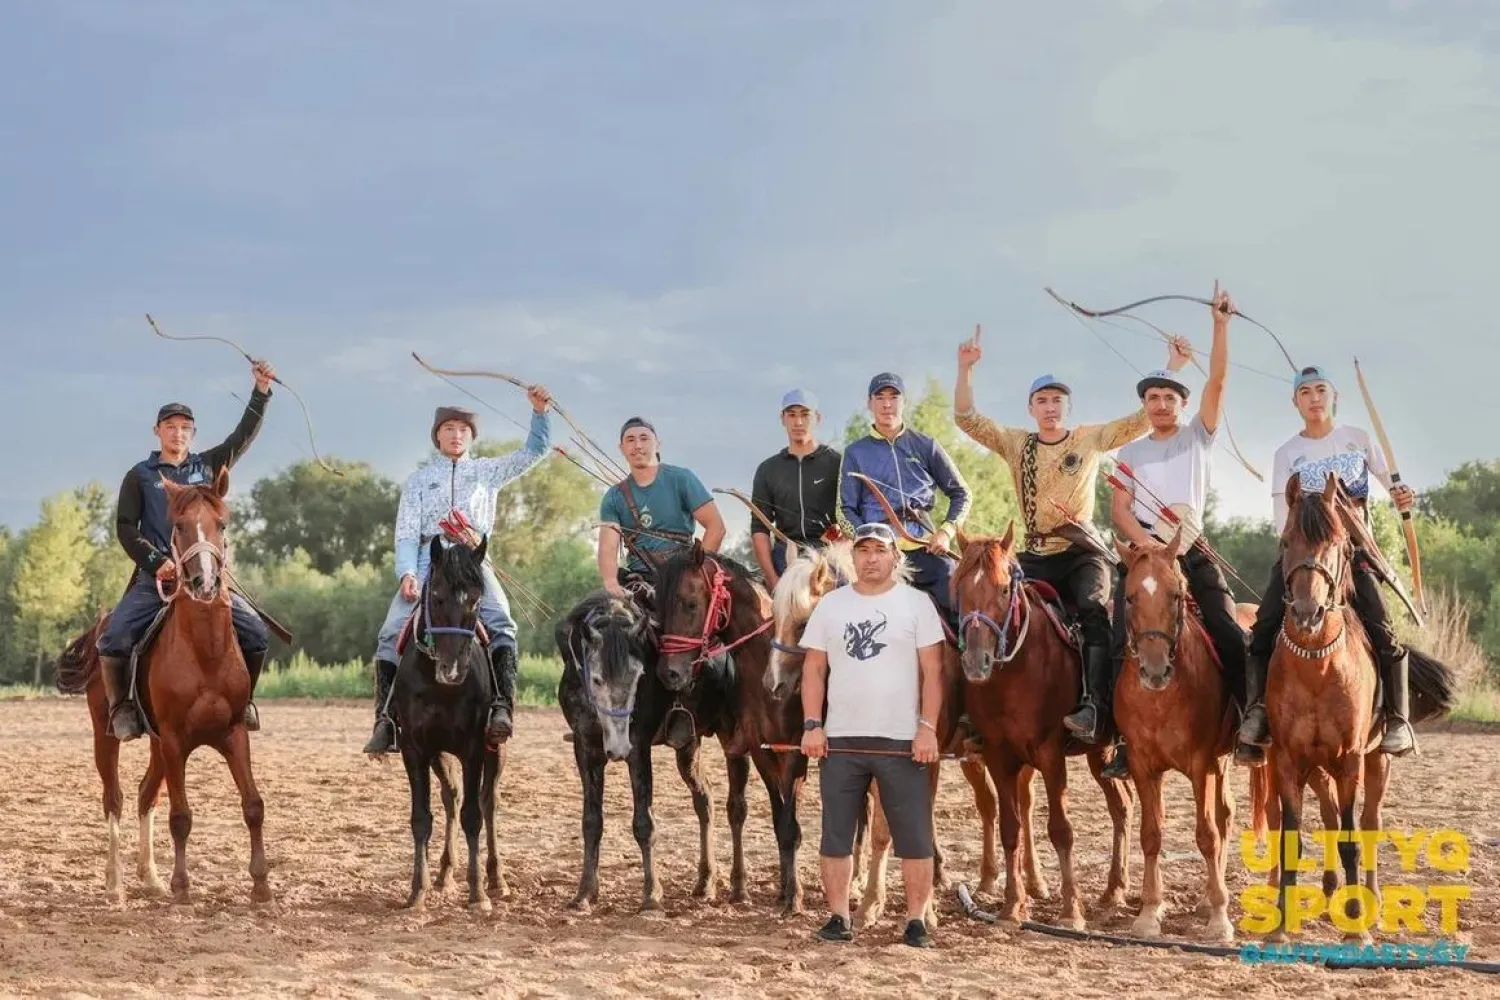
[[409, 629], [1061, 613]]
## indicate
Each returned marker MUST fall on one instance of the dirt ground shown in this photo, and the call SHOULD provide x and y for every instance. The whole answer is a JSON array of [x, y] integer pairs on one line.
[[339, 847]]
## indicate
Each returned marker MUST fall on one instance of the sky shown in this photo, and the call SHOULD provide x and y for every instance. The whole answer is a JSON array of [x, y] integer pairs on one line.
[[683, 209]]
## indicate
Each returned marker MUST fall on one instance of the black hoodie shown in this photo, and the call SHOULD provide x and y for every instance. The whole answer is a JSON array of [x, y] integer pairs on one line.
[[800, 495]]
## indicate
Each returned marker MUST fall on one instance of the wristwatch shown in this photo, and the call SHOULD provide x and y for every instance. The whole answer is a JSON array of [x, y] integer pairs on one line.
[[809, 725]]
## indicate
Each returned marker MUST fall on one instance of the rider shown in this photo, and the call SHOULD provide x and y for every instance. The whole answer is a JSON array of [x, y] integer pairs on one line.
[[455, 480], [1172, 465], [797, 488], [1319, 448], [145, 533], [656, 510], [1055, 470], [908, 467]]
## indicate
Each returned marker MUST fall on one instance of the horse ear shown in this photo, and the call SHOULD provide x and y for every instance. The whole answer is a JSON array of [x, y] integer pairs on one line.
[[221, 481], [1176, 546], [697, 551], [1009, 538], [961, 538], [435, 550], [1331, 487], [1124, 551], [822, 581], [792, 554], [484, 546], [1293, 489]]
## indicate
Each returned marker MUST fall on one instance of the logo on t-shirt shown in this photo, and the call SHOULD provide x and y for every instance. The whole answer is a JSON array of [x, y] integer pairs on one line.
[[859, 638], [646, 519]]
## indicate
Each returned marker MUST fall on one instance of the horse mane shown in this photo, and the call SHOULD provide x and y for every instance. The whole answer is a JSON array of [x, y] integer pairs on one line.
[[464, 574], [1317, 524], [792, 599], [679, 563], [986, 556], [179, 500]]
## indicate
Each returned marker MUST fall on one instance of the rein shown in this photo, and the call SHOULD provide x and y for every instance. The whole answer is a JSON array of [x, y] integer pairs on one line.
[[179, 558], [1170, 638], [720, 602], [1002, 629], [1333, 606]]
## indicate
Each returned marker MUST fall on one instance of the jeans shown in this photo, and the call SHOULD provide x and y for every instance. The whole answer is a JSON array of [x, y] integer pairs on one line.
[[133, 615], [494, 611]]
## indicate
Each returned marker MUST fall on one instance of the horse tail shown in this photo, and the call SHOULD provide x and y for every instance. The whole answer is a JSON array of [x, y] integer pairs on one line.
[[79, 662], [1433, 685], [1260, 800]]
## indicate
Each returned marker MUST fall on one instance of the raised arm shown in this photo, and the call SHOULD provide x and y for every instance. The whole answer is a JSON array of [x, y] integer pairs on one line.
[[976, 425], [227, 452], [1211, 406], [504, 469]]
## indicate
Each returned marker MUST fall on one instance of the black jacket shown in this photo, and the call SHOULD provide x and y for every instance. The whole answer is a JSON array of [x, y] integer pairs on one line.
[[800, 495]]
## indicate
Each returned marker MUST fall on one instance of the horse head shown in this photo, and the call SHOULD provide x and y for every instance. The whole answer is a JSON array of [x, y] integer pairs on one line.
[[450, 608], [198, 515], [988, 593], [610, 642], [1155, 609], [1315, 555], [797, 592], [701, 595]]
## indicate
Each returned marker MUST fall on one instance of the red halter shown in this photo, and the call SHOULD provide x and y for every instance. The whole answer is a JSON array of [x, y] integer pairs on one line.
[[719, 602]]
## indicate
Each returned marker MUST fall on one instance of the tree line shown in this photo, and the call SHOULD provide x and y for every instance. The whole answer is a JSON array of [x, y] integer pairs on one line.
[[316, 550]]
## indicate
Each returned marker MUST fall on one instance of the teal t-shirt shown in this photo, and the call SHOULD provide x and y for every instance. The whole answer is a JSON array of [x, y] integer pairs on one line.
[[666, 505]]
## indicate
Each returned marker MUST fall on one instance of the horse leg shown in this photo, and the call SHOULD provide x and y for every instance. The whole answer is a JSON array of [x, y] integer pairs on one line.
[[1212, 845], [448, 792], [591, 773], [738, 809], [1006, 773], [1224, 812], [872, 904], [690, 766], [236, 751], [1327, 801], [419, 778], [1036, 885], [107, 762], [1377, 777], [181, 816], [1120, 802], [774, 775], [494, 764], [934, 779], [1153, 813], [988, 808], [859, 876], [643, 824], [147, 796], [1289, 788], [471, 816], [1347, 787], [1060, 831]]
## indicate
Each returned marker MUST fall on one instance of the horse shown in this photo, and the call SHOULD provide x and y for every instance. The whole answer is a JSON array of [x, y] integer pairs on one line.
[[1173, 707], [1321, 698], [1022, 671], [802, 585], [193, 686], [614, 704], [439, 701]]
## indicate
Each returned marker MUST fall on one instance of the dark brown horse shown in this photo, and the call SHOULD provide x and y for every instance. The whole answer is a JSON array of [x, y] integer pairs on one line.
[[194, 687], [1022, 676], [1174, 709]]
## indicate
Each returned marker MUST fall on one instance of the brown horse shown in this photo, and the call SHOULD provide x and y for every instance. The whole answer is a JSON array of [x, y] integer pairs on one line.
[[1022, 676], [1174, 709], [1321, 688], [806, 579], [194, 687]]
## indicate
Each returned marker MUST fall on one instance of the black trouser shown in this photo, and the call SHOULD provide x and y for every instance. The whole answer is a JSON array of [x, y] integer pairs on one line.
[[1368, 603], [933, 573], [1083, 577]]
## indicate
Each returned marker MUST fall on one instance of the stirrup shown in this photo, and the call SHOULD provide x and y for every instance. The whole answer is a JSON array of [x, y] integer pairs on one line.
[[1249, 755], [252, 718], [1394, 726], [126, 715]]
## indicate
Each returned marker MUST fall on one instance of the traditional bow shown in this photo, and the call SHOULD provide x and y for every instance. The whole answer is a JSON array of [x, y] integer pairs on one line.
[[1413, 553], [246, 355]]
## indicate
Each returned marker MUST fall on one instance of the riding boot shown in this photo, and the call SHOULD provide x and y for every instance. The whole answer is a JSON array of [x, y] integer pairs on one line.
[[1400, 739], [253, 663], [1084, 720], [383, 739], [503, 673], [125, 718], [1255, 729]]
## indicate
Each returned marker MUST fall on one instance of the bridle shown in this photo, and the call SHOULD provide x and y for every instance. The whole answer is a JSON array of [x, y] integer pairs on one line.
[[715, 620], [424, 632], [1179, 619], [588, 681], [1018, 606], [1333, 606], [179, 559]]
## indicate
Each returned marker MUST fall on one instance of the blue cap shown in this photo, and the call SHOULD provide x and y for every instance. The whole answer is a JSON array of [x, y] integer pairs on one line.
[[1048, 381], [887, 380], [800, 397], [1309, 375], [1161, 379]]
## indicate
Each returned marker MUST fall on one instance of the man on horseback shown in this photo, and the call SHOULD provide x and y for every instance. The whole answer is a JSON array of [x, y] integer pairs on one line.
[[797, 488], [1320, 448], [1055, 469], [909, 467], [144, 531], [456, 481], [1172, 467]]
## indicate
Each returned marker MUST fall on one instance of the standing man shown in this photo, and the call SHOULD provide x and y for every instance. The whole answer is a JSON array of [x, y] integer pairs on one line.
[[909, 467], [1319, 448], [456, 481], [655, 511], [1055, 469], [1172, 465], [145, 533], [797, 488], [874, 647]]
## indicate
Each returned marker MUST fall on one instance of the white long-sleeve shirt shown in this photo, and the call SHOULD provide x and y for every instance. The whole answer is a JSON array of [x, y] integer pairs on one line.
[[1346, 451], [467, 484]]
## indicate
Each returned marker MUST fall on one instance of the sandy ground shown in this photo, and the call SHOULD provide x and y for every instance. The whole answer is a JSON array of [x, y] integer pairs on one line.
[[339, 849]]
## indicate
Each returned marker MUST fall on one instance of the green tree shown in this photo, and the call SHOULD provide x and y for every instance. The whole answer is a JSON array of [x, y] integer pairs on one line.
[[1469, 498], [49, 585], [334, 520]]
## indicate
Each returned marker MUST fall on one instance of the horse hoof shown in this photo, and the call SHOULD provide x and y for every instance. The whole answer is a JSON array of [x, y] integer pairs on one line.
[[1111, 901], [1041, 890], [1361, 938], [1146, 927], [1277, 937], [580, 904], [1074, 923], [260, 893], [498, 890], [1219, 931], [414, 902], [1013, 917], [480, 905]]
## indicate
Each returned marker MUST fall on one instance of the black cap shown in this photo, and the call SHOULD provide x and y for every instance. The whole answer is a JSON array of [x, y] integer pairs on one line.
[[636, 422], [174, 410]]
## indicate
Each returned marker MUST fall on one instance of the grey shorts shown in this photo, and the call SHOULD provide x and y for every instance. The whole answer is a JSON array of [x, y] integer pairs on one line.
[[844, 778]]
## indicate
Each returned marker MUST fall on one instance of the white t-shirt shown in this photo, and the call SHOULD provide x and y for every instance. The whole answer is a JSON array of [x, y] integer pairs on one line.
[[1173, 470], [874, 681], [1346, 451]]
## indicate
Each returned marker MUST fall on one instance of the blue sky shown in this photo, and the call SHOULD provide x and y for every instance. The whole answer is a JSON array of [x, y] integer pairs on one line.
[[721, 200]]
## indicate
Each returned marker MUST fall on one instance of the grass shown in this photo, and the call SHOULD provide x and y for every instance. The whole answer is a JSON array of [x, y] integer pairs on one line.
[[1479, 704]]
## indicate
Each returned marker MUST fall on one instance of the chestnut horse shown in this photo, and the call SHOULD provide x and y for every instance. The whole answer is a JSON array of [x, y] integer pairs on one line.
[[1022, 676], [1174, 708], [1321, 695], [806, 579], [193, 687]]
